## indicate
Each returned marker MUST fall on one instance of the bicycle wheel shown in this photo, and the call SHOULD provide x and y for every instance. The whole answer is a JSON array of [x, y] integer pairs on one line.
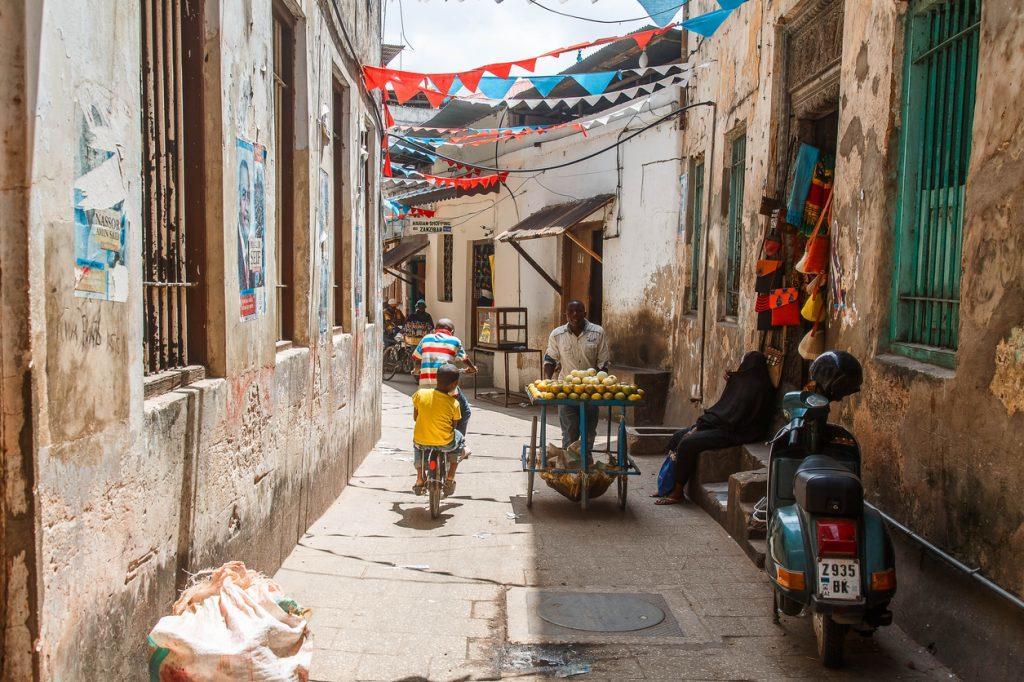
[[435, 497], [391, 363]]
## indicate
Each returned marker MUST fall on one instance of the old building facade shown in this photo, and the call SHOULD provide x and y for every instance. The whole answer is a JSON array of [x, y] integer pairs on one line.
[[926, 229], [189, 312]]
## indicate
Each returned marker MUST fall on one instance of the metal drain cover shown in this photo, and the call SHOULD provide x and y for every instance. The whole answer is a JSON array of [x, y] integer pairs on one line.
[[599, 612]]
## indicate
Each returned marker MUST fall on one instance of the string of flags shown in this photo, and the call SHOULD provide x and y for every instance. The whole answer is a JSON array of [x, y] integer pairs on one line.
[[407, 84]]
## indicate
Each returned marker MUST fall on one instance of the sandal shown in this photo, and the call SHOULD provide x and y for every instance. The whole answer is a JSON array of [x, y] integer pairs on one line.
[[449, 487], [669, 500], [419, 489]]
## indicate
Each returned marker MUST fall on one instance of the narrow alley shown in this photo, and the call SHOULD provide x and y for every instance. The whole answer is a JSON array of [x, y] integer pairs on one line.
[[398, 596]]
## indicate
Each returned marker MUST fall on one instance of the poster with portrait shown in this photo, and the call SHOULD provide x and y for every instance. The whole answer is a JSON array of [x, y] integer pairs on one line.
[[324, 244], [252, 228], [101, 269]]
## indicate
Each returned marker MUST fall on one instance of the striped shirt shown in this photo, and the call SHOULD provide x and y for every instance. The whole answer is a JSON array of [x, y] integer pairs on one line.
[[437, 348]]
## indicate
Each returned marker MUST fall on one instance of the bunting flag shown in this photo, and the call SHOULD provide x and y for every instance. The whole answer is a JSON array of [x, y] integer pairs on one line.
[[612, 97], [706, 24], [406, 84], [662, 12], [465, 183]]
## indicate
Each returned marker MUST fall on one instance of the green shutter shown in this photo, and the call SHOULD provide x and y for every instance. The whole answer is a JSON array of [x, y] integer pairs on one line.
[[695, 240], [737, 168], [940, 76]]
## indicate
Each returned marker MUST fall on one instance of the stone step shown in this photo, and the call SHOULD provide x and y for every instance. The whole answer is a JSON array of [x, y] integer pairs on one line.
[[714, 499], [756, 550], [754, 456]]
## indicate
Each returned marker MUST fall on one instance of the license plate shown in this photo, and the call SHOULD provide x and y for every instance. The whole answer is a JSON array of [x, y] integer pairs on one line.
[[839, 579]]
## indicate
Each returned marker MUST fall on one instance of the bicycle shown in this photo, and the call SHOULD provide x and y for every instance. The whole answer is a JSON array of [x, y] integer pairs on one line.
[[397, 358], [435, 474]]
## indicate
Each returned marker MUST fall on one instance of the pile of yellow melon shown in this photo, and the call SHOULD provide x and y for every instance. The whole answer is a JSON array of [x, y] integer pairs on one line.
[[585, 384]]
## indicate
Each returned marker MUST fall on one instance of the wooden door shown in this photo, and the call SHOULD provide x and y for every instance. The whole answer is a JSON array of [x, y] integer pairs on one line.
[[581, 274]]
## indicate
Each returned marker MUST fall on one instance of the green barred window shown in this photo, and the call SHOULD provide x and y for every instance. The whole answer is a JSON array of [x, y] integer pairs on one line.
[[736, 170], [692, 297], [939, 77]]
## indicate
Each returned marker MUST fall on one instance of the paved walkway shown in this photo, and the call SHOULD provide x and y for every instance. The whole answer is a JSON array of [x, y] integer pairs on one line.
[[396, 595]]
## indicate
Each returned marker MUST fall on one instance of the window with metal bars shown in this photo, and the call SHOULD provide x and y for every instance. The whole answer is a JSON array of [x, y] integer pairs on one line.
[[696, 234], [284, 137], [447, 263], [172, 184], [940, 76], [736, 173]]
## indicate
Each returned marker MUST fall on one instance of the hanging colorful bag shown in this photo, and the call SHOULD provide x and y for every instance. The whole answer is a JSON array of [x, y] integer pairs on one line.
[[813, 309], [815, 258], [785, 307], [813, 343]]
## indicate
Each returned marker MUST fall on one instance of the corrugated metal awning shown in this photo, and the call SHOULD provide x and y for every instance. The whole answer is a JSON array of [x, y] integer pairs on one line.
[[556, 219], [408, 247]]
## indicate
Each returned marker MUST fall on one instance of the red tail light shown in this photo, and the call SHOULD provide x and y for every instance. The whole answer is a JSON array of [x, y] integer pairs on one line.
[[432, 464], [837, 537]]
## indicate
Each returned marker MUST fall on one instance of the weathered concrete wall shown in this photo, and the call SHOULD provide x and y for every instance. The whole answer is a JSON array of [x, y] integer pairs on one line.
[[133, 493], [640, 235], [940, 446]]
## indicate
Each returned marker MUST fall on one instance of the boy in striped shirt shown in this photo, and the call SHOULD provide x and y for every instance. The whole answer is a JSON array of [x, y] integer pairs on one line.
[[441, 347]]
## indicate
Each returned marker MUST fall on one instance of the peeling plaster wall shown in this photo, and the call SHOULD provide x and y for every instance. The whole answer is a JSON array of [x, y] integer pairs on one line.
[[941, 447], [133, 493], [639, 247]]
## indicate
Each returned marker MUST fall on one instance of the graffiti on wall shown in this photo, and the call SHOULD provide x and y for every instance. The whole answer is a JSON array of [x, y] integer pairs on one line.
[[324, 244], [252, 229], [101, 270]]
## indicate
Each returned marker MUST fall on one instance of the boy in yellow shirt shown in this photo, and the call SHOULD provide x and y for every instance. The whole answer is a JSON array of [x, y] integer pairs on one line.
[[436, 413]]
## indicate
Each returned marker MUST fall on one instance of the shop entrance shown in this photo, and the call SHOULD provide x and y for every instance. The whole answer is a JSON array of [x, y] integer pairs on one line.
[[481, 284], [809, 115], [582, 277]]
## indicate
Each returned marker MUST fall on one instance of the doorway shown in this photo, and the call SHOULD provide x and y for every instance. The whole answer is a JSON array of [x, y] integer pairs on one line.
[[582, 271], [809, 114], [481, 285], [416, 288]]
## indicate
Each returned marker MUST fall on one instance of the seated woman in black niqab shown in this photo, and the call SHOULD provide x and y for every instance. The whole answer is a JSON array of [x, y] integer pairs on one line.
[[741, 415]]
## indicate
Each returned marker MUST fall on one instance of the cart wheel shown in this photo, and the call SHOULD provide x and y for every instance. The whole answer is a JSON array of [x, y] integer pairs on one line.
[[584, 491], [623, 489]]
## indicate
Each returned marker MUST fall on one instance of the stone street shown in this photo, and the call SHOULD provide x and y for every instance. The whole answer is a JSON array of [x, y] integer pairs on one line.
[[396, 595]]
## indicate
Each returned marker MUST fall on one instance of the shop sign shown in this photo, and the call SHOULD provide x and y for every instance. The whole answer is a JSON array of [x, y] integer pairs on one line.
[[430, 225]]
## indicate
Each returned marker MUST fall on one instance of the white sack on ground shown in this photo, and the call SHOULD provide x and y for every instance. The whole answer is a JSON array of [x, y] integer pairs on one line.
[[233, 624]]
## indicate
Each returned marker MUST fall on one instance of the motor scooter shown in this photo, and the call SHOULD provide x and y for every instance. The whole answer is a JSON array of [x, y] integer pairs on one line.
[[827, 555]]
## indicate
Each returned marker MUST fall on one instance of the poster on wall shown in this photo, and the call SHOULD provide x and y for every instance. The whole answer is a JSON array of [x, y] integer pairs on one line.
[[357, 293], [324, 243], [683, 203], [101, 270], [252, 228]]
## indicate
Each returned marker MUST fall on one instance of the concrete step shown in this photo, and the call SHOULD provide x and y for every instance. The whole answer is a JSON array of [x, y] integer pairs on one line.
[[754, 456], [714, 499], [756, 550]]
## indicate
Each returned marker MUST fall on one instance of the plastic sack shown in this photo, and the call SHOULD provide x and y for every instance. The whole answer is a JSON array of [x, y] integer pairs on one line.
[[233, 624], [667, 475]]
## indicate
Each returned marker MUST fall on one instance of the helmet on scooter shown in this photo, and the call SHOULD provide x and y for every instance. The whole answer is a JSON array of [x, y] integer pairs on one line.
[[836, 374]]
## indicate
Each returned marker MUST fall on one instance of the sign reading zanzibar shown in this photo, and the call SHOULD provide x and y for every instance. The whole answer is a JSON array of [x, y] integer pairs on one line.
[[430, 225]]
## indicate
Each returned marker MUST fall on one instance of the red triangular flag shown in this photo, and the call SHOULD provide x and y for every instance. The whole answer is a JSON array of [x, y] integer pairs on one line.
[[644, 37], [443, 81], [434, 97], [387, 163], [471, 79], [389, 120], [500, 70], [527, 64], [403, 91], [374, 78]]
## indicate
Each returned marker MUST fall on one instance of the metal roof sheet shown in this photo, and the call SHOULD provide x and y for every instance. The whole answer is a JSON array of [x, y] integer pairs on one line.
[[555, 219], [408, 247]]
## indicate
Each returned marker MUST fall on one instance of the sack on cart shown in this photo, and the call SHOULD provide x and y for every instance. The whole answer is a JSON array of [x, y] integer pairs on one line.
[[569, 484]]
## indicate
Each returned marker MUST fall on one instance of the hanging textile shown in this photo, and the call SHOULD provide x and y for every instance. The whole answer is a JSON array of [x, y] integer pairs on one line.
[[803, 174]]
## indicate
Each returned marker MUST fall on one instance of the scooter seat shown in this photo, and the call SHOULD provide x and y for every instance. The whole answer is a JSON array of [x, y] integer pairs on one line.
[[824, 486]]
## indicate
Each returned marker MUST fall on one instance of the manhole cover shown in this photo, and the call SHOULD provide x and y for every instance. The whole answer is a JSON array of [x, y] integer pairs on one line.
[[598, 612]]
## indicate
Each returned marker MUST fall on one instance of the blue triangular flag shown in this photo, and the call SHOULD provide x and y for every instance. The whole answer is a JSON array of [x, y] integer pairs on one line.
[[730, 4], [455, 86], [595, 83], [494, 87], [545, 84], [662, 12], [707, 24]]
